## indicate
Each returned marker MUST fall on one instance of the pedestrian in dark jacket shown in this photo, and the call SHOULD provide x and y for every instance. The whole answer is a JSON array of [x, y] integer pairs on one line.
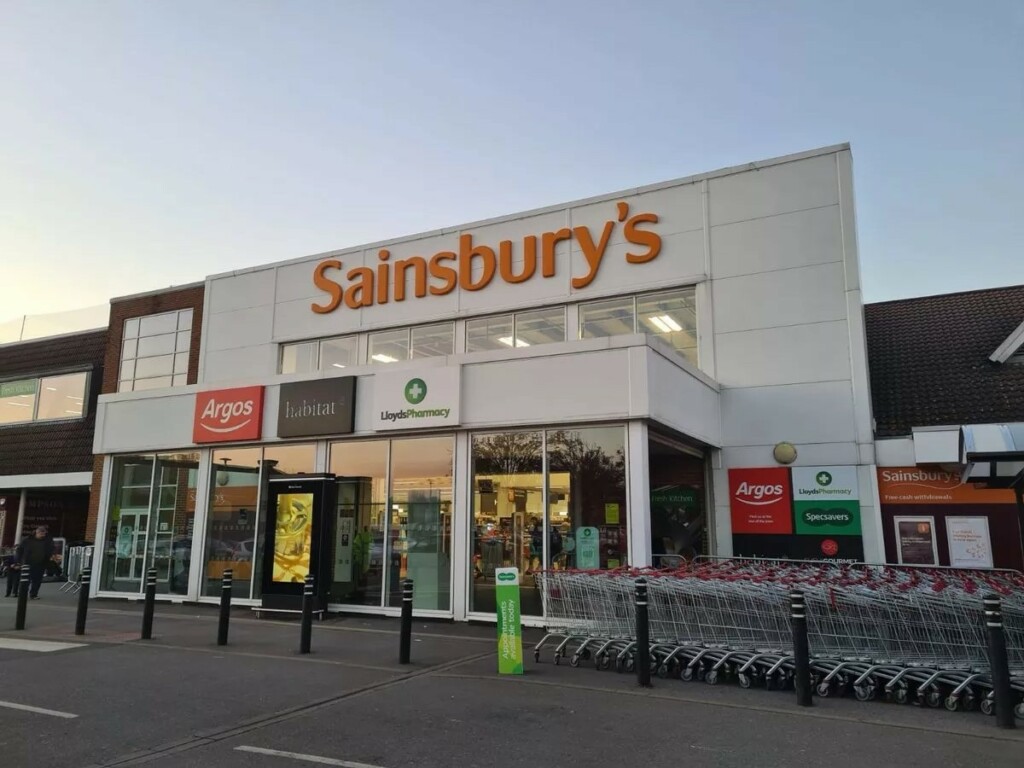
[[34, 553], [12, 570]]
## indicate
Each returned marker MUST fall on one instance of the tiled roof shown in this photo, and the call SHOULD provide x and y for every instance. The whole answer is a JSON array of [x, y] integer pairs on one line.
[[64, 446], [929, 365]]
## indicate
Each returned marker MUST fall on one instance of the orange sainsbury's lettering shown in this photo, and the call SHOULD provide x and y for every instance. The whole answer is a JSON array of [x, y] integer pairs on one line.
[[475, 264]]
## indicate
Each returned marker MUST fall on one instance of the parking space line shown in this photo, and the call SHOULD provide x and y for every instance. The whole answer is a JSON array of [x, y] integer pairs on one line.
[[305, 758], [37, 710], [36, 646]]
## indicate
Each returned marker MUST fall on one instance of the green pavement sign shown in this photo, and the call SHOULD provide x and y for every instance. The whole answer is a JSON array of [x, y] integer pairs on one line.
[[510, 629]]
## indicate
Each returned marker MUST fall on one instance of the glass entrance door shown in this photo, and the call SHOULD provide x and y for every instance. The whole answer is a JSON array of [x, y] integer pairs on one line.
[[130, 547]]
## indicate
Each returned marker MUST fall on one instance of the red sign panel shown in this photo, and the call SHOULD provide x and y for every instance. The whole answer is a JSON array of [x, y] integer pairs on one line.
[[760, 500], [228, 414]]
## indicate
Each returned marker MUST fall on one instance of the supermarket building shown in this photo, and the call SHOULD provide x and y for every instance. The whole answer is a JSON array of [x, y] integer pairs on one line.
[[671, 370]]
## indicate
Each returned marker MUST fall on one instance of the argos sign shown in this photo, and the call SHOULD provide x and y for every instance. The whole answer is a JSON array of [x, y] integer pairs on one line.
[[227, 415], [760, 500]]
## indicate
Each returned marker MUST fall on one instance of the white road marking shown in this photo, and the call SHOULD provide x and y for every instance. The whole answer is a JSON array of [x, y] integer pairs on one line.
[[39, 646], [37, 710], [306, 758]]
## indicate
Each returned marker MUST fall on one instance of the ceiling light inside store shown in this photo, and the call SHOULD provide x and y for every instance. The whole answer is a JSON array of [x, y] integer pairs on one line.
[[507, 341], [665, 323], [381, 358], [21, 405], [51, 389], [337, 365]]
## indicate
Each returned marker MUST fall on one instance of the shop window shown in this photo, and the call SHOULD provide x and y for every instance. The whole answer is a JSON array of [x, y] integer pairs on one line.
[[508, 515], [523, 329], [678, 504], [362, 471], [232, 520], [389, 346], [152, 512], [411, 343], [43, 399], [299, 358], [339, 352], [421, 521], [154, 351], [587, 515], [672, 316], [433, 340]]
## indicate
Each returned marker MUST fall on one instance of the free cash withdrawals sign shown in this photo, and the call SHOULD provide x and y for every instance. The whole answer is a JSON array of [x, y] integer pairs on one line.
[[510, 630], [826, 501], [416, 400]]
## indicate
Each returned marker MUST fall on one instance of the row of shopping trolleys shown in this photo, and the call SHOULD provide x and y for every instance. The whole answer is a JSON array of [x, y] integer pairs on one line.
[[905, 635]]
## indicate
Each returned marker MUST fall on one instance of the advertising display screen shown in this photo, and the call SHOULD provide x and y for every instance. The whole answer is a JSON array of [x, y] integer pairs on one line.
[[293, 537]]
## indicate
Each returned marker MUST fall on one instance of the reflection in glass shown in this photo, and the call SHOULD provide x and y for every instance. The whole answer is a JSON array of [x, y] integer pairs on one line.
[[361, 469], [679, 527], [174, 512], [543, 326], [587, 497], [671, 315], [421, 518], [508, 514], [62, 397], [124, 553], [338, 353], [232, 519], [298, 358], [607, 318]]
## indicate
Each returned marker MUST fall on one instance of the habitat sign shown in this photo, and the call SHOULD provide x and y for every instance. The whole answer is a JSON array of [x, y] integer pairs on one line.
[[826, 501]]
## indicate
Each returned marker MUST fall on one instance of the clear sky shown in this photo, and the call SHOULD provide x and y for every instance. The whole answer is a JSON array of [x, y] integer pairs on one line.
[[145, 144]]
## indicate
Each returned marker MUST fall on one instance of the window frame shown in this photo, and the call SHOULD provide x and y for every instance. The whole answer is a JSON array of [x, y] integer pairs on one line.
[[131, 338], [635, 300], [38, 378]]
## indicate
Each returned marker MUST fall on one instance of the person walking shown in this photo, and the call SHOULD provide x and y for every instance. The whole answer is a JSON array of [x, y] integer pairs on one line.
[[35, 552], [12, 570]]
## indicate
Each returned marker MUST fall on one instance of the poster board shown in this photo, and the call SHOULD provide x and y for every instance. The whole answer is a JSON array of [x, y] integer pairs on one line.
[[970, 543], [915, 540]]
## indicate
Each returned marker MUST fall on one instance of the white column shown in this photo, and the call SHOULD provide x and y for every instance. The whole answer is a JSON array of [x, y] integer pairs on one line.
[[102, 524], [462, 513], [197, 567], [639, 490], [22, 505]]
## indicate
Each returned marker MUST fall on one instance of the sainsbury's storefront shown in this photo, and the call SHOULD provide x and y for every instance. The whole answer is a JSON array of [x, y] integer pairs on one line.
[[658, 372]]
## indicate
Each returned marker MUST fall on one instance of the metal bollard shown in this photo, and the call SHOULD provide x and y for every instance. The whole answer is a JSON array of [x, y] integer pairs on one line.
[[19, 617], [149, 604], [801, 650], [643, 636], [999, 662], [225, 607], [307, 616], [405, 634], [83, 601]]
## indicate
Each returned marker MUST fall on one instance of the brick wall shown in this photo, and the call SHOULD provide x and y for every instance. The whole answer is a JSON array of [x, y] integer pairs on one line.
[[124, 309]]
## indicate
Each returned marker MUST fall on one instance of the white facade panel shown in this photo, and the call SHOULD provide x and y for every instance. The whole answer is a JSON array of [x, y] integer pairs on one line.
[[686, 403], [799, 239], [144, 423], [787, 297], [810, 455], [239, 328], [681, 261], [895, 452], [249, 289], [800, 413], [241, 365], [771, 191], [778, 356]]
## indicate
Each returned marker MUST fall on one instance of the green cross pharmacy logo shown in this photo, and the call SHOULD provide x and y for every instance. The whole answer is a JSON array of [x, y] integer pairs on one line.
[[415, 391], [823, 478]]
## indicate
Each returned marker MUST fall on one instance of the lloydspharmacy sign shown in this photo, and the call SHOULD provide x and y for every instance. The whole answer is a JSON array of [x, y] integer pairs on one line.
[[826, 500], [416, 401]]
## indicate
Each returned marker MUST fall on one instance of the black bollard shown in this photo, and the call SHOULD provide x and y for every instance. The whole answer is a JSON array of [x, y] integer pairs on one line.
[[999, 663], [801, 650], [307, 616], [83, 600], [149, 604], [225, 608], [643, 636], [405, 639], [19, 617]]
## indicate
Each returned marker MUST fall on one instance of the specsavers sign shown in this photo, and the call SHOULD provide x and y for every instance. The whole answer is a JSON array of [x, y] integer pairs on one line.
[[416, 400], [826, 501], [510, 630]]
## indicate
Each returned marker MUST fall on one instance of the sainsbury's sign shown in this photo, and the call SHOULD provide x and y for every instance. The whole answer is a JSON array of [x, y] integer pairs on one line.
[[225, 415], [474, 264]]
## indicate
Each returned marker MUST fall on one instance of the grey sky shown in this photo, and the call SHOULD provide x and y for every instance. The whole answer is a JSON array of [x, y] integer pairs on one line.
[[144, 144]]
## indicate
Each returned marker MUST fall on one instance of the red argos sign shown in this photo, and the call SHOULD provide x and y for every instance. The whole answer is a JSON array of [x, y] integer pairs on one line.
[[760, 500], [228, 414]]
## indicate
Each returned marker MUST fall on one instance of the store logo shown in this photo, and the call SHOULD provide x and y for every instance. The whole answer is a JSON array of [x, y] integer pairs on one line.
[[823, 478], [758, 495], [822, 517], [506, 577], [829, 548], [415, 391], [228, 414]]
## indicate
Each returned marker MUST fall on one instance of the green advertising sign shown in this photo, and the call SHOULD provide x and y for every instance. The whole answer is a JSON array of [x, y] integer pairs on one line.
[[838, 517], [588, 548], [825, 501], [510, 629], [17, 388]]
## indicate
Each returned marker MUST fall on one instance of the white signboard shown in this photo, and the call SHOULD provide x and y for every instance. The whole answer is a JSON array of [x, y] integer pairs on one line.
[[825, 483], [416, 400], [970, 545]]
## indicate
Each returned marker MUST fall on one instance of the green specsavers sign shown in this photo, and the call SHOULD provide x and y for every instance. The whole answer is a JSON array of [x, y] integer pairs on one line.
[[510, 630], [826, 501], [17, 388]]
